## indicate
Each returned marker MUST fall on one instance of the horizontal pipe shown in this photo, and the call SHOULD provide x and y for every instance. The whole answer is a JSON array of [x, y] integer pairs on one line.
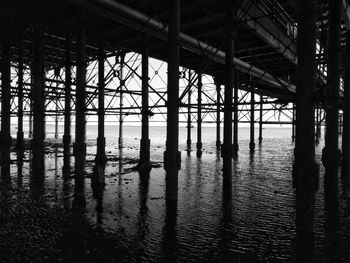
[[139, 21]]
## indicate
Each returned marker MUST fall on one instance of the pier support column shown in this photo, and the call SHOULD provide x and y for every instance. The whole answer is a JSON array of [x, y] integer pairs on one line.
[[235, 118], [38, 100], [252, 119], [67, 104], [293, 123], [199, 116], [218, 122], [5, 139], [100, 159], [121, 104], [57, 77], [346, 114], [305, 170], [172, 156], [189, 117], [80, 119], [145, 163], [227, 151], [330, 153], [189, 121], [261, 118], [20, 134]]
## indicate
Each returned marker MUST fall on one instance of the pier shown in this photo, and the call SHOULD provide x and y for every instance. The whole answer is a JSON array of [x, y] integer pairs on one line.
[[185, 66]]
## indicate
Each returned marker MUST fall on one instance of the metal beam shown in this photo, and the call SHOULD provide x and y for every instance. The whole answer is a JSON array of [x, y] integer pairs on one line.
[[139, 21]]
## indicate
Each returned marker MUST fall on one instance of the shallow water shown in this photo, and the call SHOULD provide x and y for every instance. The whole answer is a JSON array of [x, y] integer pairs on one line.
[[130, 221]]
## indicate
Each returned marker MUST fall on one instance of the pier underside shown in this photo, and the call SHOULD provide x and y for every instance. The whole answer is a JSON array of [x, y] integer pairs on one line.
[[178, 64]]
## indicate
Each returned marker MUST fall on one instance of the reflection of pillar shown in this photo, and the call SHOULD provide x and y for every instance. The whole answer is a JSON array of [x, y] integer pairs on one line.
[[199, 117], [235, 117], [261, 118], [101, 140], [31, 92], [145, 163], [67, 105], [330, 152], [346, 114], [20, 134], [80, 145], [5, 140], [305, 170], [218, 122], [252, 118], [38, 99], [172, 156], [226, 150]]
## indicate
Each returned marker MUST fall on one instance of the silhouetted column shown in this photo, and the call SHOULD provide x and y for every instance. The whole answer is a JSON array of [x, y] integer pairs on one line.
[[189, 120], [57, 77], [293, 123], [305, 169], [318, 124], [5, 139], [121, 104], [80, 119], [31, 87], [172, 156], [218, 122], [67, 103], [199, 116], [20, 134], [261, 118], [252, 118], [346, 113], [38, 99], [235, 118], [227, 150], [101, 140], [330, 152], [145, 163]]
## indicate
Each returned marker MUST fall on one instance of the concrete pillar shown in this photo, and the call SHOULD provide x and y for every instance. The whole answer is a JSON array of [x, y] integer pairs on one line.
[[261, 118], [189, 121], [5, 139], [235, 118], [305, 170], [330, 154], [346, 114], [172, 156], [38, 99], [218, 122], [20, 134], [67, 104], [101, 140], [145, 163], [227, 149], [121, 96], [252, 119], [199, 117], [80, 119]]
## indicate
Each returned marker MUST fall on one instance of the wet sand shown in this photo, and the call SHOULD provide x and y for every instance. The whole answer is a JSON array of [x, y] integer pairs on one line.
[[129, 221]]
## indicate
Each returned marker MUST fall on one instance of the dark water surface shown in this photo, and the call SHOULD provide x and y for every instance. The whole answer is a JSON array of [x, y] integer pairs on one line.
[[58, 220]]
